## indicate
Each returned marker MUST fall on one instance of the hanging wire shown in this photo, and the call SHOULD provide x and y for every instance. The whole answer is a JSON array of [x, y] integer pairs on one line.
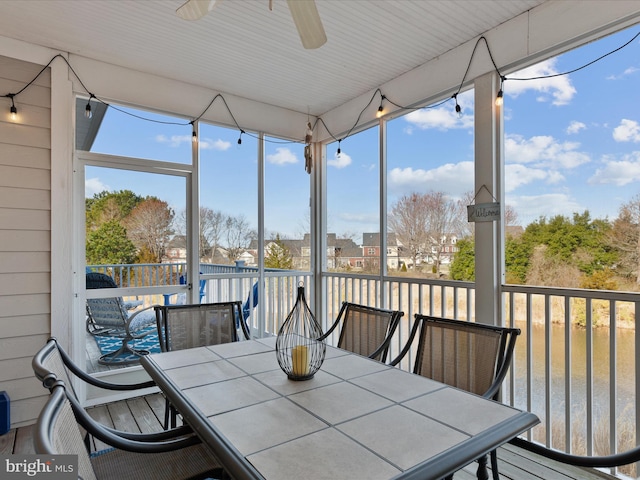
[[320, 119], [579, 68]]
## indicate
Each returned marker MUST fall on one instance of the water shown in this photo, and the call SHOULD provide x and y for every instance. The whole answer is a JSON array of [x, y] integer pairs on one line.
[[625, 373]]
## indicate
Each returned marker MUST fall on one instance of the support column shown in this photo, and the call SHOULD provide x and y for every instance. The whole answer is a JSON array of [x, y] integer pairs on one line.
[[488, 187], [318, 195]]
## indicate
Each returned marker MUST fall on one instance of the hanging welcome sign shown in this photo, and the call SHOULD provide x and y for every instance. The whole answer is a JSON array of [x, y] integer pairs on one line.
[[483, 212]]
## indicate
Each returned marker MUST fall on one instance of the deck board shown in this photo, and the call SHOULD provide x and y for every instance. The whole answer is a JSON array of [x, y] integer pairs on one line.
[[146, 414]]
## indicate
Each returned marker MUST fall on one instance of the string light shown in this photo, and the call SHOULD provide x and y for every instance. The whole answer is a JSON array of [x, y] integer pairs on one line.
[[194, 135], [13, 110], [380, 112], [381, 108], [87, 109], [499, 97], [458, 107]]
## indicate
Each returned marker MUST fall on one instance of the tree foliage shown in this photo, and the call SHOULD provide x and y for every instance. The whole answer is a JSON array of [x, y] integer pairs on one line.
[[559, 251], [573, 247], [421, 220], [463, 265], [109, 244], [408, 219], [239, 236], [625, 237], [107, 206], [145, 223], [149, 227], [278, 255]]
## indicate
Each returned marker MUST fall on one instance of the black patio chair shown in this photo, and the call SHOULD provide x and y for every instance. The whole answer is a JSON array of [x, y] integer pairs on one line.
[[52, 358], [470, 356], [161, 456], [365, 330], [197, 325]]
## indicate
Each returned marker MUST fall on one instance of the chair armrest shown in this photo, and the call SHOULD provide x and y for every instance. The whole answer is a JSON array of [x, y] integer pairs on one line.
[[96, 382], [129, 441], [335, 324], [407, 345]]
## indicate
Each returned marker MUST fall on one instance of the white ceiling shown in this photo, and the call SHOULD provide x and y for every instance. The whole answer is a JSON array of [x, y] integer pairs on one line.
[[242, 48]]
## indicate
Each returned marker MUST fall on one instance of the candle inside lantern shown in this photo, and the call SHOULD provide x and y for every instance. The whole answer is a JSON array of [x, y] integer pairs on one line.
[[300, 360]]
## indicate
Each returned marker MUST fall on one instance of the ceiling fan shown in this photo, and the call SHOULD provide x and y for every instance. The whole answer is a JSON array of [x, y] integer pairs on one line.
[[304, 13]]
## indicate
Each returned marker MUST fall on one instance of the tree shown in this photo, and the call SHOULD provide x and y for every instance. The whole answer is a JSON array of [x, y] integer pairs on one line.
[[212, 224], [239, 236], [625, 238], [463, 265], [442, 221], [572, 247], [149, 228], [106, 206], [408, 219], [422, 221], [109, 244], [278, 255]]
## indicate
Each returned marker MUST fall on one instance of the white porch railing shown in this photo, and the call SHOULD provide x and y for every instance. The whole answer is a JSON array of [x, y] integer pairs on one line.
[[575, 364]]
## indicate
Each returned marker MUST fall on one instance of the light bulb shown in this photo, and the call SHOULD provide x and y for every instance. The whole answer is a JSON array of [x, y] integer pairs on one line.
[[87, 111], [499, 99], [194, 137], [380, 111], [14, 113]]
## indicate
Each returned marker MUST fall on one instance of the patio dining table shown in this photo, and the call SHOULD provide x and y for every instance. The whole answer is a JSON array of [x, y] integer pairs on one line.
[[355, 419]]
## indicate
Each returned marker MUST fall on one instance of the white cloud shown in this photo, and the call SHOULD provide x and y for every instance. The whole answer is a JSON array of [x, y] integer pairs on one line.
[[174, 140], [575, 127], [532, 207], [444, 117], [543, 151], [93, 186], [204, 143], [517, 175], [627, 72], [219, 145], [453, 178], [283, 156], [365, 218], [627, 131], [618, 172], [339, 161], [558, 90]]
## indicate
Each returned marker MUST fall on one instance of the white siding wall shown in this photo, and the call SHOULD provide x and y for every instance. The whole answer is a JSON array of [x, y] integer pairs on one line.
[[25, 234]]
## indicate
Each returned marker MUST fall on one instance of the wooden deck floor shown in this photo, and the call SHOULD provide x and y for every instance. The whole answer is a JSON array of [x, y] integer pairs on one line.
[[145, 414]]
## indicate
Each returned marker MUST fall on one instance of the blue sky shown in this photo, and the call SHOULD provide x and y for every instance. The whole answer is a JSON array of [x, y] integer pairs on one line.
[[572, 144]]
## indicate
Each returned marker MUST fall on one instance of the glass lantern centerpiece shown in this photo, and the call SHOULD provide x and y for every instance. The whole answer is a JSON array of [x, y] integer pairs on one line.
[[299, 352]]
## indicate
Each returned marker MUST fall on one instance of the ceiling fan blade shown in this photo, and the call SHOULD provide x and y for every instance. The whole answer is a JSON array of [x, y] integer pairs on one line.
[[195, 9], [307, 19]]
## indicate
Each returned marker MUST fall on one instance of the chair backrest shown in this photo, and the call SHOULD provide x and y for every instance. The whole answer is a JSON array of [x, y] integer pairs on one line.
[[366, 330], [471, 356], [105, 311], [58, 433], [48, 360], [198, 325]]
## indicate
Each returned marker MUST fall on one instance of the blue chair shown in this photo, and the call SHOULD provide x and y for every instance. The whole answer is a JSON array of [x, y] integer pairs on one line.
[[249, 304], [183, 281]]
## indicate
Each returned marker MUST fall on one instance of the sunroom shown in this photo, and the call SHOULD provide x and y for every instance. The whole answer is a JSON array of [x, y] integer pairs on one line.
[[230, 119]]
